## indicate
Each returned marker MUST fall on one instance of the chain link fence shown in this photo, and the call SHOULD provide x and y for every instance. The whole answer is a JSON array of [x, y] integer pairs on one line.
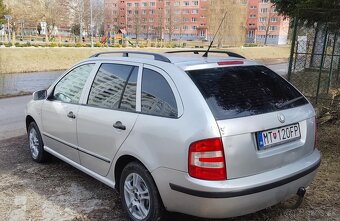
[[314, 66]]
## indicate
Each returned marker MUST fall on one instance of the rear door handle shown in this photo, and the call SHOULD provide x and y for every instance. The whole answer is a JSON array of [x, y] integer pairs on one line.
[[71, 115], [119, 125]]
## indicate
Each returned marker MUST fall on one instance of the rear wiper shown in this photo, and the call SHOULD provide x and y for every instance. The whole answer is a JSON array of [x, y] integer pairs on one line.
[[288, 102]]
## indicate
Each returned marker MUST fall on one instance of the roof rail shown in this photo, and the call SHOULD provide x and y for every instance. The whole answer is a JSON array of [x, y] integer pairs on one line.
[[156, 56], [231, 54]]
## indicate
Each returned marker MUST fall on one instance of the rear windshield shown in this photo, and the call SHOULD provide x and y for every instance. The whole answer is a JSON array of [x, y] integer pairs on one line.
[[245, 90]]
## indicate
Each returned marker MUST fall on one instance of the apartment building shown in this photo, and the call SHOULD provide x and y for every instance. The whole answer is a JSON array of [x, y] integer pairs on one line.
[[162, 19], [264, 25], [251, 21]]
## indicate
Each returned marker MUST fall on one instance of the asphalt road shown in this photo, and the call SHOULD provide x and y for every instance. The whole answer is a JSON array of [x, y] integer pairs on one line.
[[12, 116], [281, 69]]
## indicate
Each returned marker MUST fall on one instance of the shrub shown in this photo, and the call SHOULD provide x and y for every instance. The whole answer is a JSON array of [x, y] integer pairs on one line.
[[78, 45], [88, 45], [8, 44], [97, 44], [152, 45], [170, 45], [17, 44], [250, 45], [117, 45], [53, 44], [28, 44]]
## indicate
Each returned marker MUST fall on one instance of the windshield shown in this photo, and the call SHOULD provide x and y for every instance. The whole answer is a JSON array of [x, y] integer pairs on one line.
[[245, 90]]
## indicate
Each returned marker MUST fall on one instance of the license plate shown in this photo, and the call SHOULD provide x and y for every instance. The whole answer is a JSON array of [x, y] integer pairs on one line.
[[269, 138]]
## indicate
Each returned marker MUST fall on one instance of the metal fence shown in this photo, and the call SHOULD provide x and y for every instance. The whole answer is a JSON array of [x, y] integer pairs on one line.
[[314, 66]]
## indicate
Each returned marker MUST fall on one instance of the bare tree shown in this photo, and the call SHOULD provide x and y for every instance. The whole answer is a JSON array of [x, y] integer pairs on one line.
[[33, 11], [77, 13], [266, 19], [134, 22], [232, 31], [145, 23], [172, 20], [160, 19], [97, 15]]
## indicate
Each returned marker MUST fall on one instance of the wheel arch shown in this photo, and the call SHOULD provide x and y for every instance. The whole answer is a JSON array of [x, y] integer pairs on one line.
[[29, 119], [121, 162], [119, 166]]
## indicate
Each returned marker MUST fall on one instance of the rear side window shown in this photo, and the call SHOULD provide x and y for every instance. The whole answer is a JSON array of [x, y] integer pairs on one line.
[[107, 90], [157, 96], [245, 90]]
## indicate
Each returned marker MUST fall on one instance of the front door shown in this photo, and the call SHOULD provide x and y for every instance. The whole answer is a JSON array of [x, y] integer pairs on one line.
[[60, 110], [108, 116]]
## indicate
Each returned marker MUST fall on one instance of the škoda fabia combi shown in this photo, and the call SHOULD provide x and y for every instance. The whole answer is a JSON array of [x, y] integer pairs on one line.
[[206, 136]]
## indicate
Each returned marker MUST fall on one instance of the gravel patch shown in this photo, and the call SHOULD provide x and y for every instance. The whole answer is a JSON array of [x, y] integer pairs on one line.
[[57, 191]]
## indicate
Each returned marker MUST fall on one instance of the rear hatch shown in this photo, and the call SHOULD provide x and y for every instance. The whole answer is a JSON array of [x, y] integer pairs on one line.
[[265, 123]]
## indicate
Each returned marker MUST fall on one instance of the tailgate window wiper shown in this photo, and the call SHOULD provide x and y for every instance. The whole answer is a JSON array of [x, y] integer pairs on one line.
[[280, 105]]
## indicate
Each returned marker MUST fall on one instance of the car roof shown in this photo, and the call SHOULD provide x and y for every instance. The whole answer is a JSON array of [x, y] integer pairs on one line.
[[185, 61]]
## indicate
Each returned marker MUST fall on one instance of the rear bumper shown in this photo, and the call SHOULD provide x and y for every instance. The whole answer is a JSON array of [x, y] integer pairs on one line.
[[221, 199]]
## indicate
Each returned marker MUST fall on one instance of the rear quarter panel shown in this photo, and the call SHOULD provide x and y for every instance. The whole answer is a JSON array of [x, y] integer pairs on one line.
[[164, 142]]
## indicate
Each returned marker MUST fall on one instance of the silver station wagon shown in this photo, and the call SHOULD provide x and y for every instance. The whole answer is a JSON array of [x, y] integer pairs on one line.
[[210, 137]]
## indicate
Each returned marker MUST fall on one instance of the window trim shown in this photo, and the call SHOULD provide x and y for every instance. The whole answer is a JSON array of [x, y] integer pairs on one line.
[[179, 103]]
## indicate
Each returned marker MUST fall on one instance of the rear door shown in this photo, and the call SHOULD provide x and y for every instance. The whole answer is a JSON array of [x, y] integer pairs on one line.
[[108, 115], [59, 112], [265, 123]]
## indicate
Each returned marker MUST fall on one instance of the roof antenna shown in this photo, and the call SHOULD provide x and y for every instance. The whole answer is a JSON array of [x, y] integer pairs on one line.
[[206, 53]]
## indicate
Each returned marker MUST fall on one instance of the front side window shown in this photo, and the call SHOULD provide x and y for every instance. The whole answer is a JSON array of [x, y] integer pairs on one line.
[[70, 87], [108, 87], [157, 96]]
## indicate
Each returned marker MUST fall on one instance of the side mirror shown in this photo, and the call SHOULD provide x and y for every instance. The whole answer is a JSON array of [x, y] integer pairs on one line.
[[40, 95]]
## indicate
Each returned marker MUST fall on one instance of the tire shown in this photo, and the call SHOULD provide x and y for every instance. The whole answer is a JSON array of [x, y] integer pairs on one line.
[[35, 144], [139, 193]]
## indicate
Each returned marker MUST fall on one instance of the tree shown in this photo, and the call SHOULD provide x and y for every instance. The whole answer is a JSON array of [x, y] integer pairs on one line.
[[321, 15], [172, 20], [232, 31], [3, 11], [75, 29], [266, 20], [77, 13], [134, 21], [39, 28], [309, 12], [159, 23]]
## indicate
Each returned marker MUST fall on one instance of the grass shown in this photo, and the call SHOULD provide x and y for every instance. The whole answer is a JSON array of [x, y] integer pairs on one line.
[[17, 60]]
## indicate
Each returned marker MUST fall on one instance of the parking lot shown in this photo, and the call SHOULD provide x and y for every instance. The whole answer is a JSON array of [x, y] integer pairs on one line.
[[57, 191]]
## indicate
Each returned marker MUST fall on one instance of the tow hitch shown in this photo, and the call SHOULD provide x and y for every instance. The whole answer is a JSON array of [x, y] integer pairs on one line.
[[299, 198], [301, 193]]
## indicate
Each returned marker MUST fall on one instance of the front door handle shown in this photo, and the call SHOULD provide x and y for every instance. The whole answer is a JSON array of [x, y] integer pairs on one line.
[[119, 125], [71, 115]]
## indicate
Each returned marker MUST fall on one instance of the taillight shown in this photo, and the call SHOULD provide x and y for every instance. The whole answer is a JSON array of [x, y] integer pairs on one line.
[[206, 160]]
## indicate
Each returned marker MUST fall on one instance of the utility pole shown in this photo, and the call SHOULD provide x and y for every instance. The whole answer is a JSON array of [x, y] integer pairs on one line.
[[91, 25]]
